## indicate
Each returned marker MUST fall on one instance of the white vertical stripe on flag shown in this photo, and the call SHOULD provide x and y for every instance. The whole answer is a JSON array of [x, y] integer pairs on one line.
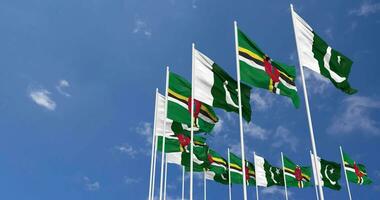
[[305, 37], [261, 179], [317, 168], [204, 78]]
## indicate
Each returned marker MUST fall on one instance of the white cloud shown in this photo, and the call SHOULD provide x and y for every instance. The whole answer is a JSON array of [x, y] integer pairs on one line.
[[91, 185], [142, 27], [366, 8], [194, 4], [127, 149], [316, 83], [218, 126], [145, 129], [329, 33], [274, 191], [261, 101], [255, 131], [283, 137], [41, 97], [129, 180], [356, 115], [62, 84]]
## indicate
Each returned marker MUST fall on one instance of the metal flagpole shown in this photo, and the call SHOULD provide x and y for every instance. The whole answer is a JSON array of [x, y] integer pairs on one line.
[[151, 184], [315, 170], [183, 182], [154, 161], [240, 113], [345, 173], [166, 174], [164, 133], [314, 148], [229, 176], [192, 122], [283, 172], [257, 188], [204, 185]]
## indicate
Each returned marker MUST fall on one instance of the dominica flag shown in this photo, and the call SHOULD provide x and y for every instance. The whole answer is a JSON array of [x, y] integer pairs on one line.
[[259, 70], [295, 175], [236, 171], [266, 174], [320, 57], [217, 168], [177, 138], [179, 105], [215, 87], [329, 173], [356, 173]]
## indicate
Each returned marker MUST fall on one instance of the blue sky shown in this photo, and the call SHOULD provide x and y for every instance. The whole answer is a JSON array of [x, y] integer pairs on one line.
[[78, 78]]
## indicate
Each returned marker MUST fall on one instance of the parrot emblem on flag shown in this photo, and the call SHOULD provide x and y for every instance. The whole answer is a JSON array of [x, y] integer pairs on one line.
[[272, 71], [197, 110]]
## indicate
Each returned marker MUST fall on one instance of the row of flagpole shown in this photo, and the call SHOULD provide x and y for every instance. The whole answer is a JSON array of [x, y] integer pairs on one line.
[[163, 173]]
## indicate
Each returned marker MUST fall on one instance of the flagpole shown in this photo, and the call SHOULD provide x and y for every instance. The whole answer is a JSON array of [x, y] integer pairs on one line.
[[166, 174], [164, 133], [345, 173], [314, 148], [151, 184], [183, 182], [257, 188], [192, 121], [229, 176], [155, 161], [315, 170], [283, 172], [204, 185], [240, 113]]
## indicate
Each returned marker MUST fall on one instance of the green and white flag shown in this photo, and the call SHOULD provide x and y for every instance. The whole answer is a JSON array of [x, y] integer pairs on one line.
[[217, 169], [266, 174], [295, 175], [259, 70], [236, 171], [183, 158], [356, 173], [179, 98], [315, 54], [214, 87], [329, 173]]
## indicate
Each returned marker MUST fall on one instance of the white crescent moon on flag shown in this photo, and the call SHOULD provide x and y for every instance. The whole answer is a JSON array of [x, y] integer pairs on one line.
[[327, 176]]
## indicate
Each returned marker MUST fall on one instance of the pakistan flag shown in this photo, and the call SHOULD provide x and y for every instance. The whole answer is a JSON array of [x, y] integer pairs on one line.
[[356, 173], [315, 54], [329, 173], [179, 106], [295, 175], [266, 174], [215, 87]]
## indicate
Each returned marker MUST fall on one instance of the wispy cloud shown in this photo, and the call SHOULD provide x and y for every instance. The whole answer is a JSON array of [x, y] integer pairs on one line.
[[127, 149], [316, 83], [62, 85], [194, 4], [141, 27], [145, 129], [91, 185], [366, 8], [261, 101], [256, 131], [218, 126], [283, 137], [130, 180], [329, 33], [275, 191], [355, 114], [42, 98]]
